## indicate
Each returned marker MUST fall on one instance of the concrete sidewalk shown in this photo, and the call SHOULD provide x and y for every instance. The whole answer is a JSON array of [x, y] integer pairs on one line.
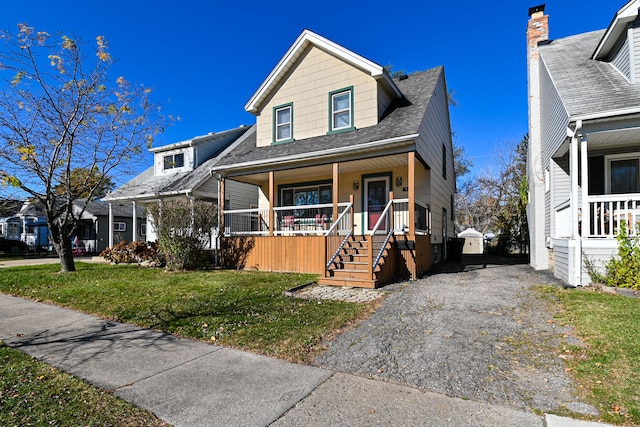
[[192, 383]]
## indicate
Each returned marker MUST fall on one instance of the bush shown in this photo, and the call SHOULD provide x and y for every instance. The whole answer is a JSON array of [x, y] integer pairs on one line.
[[134, 253], [185, 228], [622, 271]]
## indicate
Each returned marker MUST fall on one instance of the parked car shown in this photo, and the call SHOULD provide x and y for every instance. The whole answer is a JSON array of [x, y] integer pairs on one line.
[[12, 246]]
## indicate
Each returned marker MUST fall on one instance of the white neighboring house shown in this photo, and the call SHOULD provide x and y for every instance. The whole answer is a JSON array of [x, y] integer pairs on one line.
[[186, 169], [584, 142]]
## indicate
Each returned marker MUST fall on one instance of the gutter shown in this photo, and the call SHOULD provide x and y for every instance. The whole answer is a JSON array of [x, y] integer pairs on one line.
[[324, 153], [606, 114]]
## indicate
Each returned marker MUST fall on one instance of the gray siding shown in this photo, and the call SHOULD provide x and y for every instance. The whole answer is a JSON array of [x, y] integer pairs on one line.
[[241, 195], [435, 130], [621, 59], [554, 117]]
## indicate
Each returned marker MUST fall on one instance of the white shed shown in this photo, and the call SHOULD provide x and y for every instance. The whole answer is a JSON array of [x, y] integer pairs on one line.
[[473, 241]]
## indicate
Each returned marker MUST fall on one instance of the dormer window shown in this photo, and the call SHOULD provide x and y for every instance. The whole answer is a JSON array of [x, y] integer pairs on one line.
[[173, 161], [341, 110], [283, 123]]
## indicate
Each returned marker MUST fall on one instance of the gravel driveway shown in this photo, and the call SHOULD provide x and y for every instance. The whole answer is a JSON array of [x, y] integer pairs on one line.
[[482, 333]]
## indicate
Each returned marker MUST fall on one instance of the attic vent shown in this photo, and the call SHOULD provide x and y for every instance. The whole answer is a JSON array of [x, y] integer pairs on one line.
[[403, 77]]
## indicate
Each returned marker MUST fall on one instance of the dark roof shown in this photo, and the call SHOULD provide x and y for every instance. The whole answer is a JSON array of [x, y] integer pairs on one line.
[[586, 86], [403, 117], [101, 208]]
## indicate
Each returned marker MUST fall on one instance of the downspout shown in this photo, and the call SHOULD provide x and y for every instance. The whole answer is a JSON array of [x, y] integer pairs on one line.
[[575, 277]]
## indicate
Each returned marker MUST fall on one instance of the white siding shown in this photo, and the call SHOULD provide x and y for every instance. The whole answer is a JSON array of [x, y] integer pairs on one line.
[[158, 161], [621, 60], [636, 53], [554, 117], [561, 253]]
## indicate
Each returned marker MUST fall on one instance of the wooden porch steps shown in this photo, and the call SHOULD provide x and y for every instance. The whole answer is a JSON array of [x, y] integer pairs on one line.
[[352, 266]]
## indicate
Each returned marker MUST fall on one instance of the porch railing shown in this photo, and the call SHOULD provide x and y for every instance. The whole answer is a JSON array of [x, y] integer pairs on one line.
[[246, 222], [318, 220], [610, 212]]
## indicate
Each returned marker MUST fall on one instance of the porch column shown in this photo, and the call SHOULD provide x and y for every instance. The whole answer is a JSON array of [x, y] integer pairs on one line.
[[110, 225], [335, 192], [272, 192], [135, 222], [221, 200], [412, 192], [586, 211], [574, 279]]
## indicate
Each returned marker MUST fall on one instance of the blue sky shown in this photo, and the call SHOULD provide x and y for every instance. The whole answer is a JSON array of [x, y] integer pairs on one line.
[[204, 60]]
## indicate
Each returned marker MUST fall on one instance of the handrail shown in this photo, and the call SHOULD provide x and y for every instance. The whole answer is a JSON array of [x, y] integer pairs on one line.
[[384, 245], [348, 208], [335, 255], [383, 216]]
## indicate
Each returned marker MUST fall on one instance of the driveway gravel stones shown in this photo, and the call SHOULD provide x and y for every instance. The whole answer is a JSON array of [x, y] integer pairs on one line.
[[483, 333]]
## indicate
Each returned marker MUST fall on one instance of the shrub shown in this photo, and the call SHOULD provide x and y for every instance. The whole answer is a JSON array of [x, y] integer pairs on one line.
[[622, 271], [185, 228], [134, 253]]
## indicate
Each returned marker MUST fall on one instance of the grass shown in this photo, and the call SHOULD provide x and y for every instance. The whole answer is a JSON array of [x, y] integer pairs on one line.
[[607, 368], [33, 393], [244, 310]]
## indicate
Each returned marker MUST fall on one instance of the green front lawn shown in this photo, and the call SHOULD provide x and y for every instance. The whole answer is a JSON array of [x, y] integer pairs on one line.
[[608, 367], [34, 394], [240, 309]]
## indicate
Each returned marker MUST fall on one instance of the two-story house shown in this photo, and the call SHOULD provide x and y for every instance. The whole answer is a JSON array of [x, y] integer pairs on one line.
[[183, 169], [584, 142], [355, 169]]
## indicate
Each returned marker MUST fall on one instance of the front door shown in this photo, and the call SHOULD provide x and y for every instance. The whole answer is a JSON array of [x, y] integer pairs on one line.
[[376, 197]]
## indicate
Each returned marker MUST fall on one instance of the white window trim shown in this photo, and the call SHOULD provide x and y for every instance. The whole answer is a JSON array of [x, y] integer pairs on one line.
[[119, 226], [173, 156], [279, 125], [607, 166], [333, 112]]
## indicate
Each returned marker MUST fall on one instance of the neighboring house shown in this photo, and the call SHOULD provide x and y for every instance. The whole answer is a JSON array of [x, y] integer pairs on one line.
[[184, 169], [28, 224], [355, 169], [584, 142], [93, 230]]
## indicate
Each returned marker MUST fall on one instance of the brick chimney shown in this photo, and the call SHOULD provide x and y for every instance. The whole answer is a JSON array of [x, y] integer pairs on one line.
[[538, 27], [537, 32]]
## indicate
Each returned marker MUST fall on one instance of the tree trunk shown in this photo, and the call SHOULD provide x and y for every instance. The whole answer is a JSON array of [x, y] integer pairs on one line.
[[65, 254], [67, 263]]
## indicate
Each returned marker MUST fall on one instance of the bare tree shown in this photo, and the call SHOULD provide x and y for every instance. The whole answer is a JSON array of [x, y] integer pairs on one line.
[[59, 111], [496, 198]]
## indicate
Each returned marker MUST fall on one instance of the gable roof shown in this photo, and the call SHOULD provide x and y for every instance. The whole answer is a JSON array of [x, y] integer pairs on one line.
[[304, 40], [147, 185], [587, 87], [627, 13], [399, 125]]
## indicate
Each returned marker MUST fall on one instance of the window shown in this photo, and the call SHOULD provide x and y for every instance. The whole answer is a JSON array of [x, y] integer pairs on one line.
[[623, 174], [143, 229], [173, 161], [283, 123], [444, 161], [307, 195], [119, 226], [341, 110]]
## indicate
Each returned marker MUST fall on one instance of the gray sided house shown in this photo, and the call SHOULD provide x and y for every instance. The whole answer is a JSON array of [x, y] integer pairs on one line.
[[93, 230], [584, 142], [186, 170]]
